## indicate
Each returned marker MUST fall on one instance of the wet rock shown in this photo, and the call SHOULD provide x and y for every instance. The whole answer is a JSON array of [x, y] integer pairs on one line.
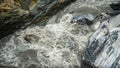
[[61, 44], [19, 19], [103, 48], [81, 21], [115, 6], [115, 9], [31, 38], [113, 13], [85, 16]]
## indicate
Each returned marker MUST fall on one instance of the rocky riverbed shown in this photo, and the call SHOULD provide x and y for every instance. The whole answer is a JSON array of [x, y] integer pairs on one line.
[[61, 34]]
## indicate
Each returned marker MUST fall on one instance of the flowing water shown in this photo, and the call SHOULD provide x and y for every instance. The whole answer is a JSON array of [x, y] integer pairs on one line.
[[59, 44]]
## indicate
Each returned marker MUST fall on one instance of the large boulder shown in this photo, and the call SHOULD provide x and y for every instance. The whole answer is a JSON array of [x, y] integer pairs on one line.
[[103, 47]]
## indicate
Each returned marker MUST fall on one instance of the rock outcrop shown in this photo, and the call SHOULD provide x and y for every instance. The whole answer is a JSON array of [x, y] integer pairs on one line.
[[103, 47], [17, 18]]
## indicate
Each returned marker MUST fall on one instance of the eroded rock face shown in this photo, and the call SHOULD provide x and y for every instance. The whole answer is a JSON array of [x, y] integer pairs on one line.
[[103, 47]]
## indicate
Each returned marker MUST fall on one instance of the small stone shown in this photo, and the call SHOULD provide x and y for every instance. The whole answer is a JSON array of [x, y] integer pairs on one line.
[[30, 37]]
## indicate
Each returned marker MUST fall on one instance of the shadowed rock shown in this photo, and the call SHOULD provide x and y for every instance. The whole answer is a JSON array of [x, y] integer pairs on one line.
[[115, 6], [43, 10]]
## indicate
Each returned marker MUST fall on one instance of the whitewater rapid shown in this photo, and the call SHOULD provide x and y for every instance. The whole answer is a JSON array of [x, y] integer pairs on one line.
[[53, 45], [58, 44]]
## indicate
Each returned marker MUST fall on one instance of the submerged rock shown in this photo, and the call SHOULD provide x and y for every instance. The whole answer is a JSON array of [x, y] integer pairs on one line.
[[30, 37]]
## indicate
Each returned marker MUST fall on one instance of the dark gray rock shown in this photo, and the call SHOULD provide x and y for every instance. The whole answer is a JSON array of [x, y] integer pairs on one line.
[[115, 6], [81, 20], [103, 47], [85, 16], [113, 13], [115, 9]]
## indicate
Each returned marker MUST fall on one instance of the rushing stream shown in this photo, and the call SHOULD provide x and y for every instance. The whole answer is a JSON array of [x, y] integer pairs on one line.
[[58, 44]]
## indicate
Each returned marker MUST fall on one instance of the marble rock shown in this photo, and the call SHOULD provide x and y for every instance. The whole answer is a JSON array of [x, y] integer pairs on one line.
[[103, 47]]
